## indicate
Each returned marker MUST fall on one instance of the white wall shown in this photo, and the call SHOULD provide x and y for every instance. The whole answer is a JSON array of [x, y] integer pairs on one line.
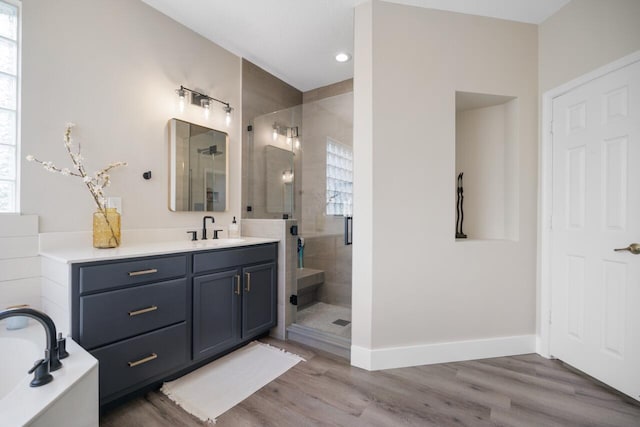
[[19, 261], [362, 251], [111, 67], [425, 287], [584, 35], [486, 152]]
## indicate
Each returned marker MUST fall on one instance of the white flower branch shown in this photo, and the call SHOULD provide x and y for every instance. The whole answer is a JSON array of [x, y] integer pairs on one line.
[[95, 184]]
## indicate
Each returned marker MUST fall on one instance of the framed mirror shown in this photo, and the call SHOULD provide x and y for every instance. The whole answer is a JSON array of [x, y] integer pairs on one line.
[[198, 168]]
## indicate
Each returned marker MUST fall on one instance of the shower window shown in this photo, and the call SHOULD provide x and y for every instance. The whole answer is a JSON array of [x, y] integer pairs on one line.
[[9, 84], [339, 178]]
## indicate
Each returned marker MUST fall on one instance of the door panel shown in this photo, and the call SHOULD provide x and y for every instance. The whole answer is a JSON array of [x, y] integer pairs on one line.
[[216, 314], [259, 299], [596, 208]]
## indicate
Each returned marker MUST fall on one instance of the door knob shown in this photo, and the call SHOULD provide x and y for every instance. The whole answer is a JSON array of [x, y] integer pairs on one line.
[[634, 248]]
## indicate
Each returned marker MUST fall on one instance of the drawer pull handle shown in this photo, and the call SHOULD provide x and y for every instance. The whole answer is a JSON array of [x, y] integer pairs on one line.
[[143, 272], [247, 277], [144, 360], [143, 311], [237, 290]]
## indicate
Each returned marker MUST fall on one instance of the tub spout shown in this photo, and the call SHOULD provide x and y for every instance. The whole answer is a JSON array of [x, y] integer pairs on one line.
[[49, 327]]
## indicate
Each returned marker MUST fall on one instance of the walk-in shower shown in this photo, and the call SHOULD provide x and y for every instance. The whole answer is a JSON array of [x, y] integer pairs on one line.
[[299, 164]]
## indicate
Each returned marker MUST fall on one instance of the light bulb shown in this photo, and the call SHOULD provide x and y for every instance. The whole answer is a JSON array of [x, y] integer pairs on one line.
[[206, 105], [227, 110], [288, 140], [297, 143], [181, 95], [275, 133]]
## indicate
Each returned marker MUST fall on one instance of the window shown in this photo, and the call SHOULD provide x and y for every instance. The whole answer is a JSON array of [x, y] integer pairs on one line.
[[339, 179], [9, 84]]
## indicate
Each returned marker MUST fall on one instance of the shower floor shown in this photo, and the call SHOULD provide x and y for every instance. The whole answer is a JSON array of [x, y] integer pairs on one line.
[[322, 316]]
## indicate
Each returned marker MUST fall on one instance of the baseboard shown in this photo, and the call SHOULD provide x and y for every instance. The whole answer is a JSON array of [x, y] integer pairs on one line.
[[428, 354]]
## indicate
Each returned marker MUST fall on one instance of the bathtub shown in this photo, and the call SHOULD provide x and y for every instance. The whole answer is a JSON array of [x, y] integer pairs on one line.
[[71, 399]]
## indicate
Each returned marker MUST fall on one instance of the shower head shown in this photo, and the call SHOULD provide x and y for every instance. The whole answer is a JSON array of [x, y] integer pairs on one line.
[[210, 151]]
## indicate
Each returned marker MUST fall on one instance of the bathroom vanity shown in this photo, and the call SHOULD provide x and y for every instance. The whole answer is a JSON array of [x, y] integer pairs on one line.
[[151, 313]]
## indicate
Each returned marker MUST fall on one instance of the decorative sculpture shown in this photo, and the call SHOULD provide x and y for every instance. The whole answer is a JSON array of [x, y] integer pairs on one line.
[[460, 210]]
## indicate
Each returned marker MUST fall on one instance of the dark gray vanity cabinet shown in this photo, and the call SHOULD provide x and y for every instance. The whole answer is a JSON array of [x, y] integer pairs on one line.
[[147, 319], [235, 304]]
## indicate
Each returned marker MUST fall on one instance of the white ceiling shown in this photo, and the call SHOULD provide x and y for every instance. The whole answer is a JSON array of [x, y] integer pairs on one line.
[[296, 40]]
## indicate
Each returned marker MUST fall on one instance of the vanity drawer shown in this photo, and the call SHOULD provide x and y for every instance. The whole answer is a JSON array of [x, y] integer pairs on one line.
[[214, 260], [114, 315], [117, 274], [138, 359]]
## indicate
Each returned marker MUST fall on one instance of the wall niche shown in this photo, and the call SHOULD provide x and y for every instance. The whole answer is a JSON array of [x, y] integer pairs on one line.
[[487, 154]]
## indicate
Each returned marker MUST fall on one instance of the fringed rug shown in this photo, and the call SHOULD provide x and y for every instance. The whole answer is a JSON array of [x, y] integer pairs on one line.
[[217, 387]]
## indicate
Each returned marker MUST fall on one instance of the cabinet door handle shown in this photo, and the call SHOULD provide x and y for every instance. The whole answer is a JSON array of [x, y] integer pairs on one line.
[[247, 278], [143, 272], [237, 287], [143, 311], [149, 358]]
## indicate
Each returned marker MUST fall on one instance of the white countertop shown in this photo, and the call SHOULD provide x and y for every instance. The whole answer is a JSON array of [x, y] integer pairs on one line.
[[87, 253]]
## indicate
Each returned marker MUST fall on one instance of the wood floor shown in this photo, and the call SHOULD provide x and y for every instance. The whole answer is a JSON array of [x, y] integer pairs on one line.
[[523, 390]]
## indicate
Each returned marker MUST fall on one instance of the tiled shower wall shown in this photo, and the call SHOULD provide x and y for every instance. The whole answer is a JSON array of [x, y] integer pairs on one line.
[[330, 254], [262, 94]]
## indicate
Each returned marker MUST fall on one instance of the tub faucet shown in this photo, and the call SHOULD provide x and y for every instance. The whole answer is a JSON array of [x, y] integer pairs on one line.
[[204, 225], [53, 344]]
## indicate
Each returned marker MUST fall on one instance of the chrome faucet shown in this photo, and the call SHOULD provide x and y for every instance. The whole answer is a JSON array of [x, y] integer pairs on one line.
[[204, 225], [55, 345]]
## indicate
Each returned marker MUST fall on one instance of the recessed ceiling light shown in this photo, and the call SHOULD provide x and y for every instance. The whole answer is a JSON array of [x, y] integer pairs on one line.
[[343, 57]]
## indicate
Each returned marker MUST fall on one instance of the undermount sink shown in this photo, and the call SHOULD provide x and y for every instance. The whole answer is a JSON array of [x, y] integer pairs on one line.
[[229, 241], [221, 242]]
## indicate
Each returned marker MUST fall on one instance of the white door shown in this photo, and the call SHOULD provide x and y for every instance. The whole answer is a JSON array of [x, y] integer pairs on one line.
[[595, 320]]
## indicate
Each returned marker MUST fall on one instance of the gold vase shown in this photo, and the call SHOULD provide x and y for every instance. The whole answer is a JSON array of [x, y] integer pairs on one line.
[[106, 229]]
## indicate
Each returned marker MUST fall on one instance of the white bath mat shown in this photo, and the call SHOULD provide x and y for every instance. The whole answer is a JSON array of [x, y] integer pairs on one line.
[[217, 387]]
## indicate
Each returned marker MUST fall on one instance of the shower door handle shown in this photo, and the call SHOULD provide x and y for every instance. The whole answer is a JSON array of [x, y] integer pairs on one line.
[[348, 230]]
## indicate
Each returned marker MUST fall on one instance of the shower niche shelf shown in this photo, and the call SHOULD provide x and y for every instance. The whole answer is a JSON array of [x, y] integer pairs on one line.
[[487, 153]]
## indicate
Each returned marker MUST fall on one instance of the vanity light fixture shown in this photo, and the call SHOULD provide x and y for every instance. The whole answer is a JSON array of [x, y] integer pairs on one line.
[[204, 101], [290, 134]]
